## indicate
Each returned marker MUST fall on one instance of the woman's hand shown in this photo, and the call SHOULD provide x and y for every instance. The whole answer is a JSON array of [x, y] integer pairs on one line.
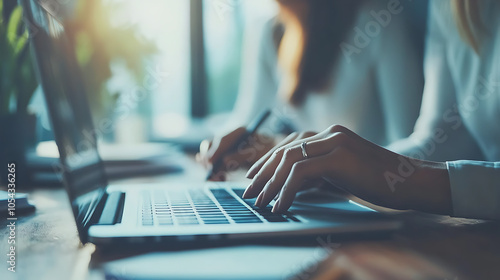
[[354, 164], [245, 155]]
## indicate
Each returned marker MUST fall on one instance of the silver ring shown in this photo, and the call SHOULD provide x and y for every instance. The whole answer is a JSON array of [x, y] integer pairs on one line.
[[304, 152]]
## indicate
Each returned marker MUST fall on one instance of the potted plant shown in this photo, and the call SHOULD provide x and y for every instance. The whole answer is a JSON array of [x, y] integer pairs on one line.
[[97, 45], [17, 85]]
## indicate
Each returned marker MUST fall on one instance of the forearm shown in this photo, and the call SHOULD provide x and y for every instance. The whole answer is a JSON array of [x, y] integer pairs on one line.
[[429, 189], [408, 184]]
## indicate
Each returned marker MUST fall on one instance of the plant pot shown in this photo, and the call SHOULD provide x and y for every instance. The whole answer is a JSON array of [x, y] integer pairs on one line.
[[17, 137]]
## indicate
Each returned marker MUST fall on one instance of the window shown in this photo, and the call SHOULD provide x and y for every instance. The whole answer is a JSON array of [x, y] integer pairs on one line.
[[170, 24], [225, 22]]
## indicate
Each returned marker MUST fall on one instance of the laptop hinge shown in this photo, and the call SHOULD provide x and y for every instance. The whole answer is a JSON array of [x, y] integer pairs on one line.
[[113, 209]]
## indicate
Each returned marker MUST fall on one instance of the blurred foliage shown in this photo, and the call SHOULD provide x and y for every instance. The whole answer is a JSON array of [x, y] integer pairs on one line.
[[17, 78], [98, 43]]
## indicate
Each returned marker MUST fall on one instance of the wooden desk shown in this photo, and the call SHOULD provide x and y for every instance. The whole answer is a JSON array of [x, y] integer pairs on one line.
[[48, 245]]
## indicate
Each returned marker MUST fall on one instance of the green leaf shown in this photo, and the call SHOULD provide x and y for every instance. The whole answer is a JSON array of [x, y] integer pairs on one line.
[[84, 49], [15, 21], [3, 43], [21, 42], [17, 80]]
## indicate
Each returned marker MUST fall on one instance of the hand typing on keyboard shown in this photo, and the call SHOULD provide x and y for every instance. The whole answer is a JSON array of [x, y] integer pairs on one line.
[[193, 207]]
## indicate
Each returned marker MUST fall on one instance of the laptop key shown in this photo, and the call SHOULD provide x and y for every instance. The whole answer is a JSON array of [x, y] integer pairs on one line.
[[276, 219], [248, 221], [245, 218], [165, 222], [236, 212], [214, 219], [212, 215], [221, 222], [188, 223], [243, 215]]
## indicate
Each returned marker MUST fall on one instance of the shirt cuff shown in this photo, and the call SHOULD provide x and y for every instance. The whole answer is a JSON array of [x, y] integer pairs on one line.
[[475, 189]]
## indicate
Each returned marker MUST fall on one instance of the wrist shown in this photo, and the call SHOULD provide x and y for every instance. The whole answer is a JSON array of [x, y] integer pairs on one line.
[[432, 189]]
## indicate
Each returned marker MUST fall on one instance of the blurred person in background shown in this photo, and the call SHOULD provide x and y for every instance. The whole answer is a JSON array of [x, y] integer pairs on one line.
[[457, 127], [322, 62]]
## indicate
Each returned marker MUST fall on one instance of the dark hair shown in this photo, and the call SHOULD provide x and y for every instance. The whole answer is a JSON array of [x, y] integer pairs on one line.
[[325, 24], [468, 20]]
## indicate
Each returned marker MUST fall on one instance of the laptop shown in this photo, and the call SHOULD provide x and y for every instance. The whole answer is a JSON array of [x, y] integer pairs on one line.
[[156, 213]]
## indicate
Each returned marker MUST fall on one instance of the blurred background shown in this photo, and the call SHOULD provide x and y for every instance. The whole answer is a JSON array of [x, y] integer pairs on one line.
[[162, 70], [165, 71]]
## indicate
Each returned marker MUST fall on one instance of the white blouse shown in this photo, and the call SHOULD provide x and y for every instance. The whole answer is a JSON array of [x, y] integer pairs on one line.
[[375, 91], [460, 111]]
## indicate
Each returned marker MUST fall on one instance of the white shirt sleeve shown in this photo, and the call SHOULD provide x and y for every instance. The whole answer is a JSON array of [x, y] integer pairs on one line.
[[475, 189]]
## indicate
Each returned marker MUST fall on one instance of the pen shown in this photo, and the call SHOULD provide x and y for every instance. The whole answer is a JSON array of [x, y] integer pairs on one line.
[[250, 130]]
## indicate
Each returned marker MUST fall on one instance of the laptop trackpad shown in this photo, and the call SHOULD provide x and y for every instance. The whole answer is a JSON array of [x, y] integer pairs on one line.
[[322, 200]]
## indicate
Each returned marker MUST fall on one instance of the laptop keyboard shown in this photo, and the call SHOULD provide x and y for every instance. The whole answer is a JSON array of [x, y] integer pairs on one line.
[[194, 207]]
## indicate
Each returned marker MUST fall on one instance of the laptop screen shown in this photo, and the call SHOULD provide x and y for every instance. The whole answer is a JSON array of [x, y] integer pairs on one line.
[[64, 90]]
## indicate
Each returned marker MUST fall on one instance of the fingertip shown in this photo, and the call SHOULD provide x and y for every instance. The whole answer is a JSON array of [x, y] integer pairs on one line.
[[245, 193], [250, 193], [259, 200], [276, 206], [252, 171]]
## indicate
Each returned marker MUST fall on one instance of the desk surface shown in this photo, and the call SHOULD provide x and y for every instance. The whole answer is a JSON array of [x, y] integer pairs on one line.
[[48, 245]]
